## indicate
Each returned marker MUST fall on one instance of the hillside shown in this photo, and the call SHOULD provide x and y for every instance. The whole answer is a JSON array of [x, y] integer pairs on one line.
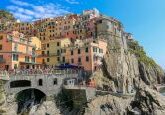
[[6, 15]]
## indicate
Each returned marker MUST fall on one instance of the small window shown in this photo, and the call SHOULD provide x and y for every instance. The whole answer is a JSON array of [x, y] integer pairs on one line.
[[94, 49], [87, 58], [58, 59], [15, 57], [58, 43], [43, 60], [1, 57], [48, 59], [40, 82], [1, 37], [0, 47], [79, 60], [79, 51], [86, 50], [47, 45], [48, 53], [72, 60], [72, 52], [55, 81], [100, 50], [58, 52], [63, 59]]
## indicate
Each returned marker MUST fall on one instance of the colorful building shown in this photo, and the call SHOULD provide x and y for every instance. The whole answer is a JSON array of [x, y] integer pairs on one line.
[[51, 50], [16, 51], [84, 53]]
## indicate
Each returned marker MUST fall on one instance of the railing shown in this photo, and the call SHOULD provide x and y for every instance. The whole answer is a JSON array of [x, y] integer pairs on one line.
[[42, 72]]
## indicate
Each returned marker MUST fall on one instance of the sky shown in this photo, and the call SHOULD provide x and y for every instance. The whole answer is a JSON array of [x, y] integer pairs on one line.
[[145, 19]]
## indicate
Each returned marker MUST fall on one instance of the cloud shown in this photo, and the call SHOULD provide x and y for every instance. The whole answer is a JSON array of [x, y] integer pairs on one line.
[[72, 1], [27, 12], [20, 3]]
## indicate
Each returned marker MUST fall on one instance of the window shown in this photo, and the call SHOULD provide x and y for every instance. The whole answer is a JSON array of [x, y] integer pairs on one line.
[[43, 60], [1, 57], [48, 59], [48, 53], [58, 52], [40, 82], [15, 66], [79, 51], [63, 59], [100, 50], [33, 59], [72, 60], [1, 37], [55, 81], [26, 58], [71, 52], [63, 50], [91, 34], [87, 58], [79, 60], [86, 49], [94, 49], [43, 53], [58, 43], [58, 59], [47, 45], [0, 47], [15, 57]]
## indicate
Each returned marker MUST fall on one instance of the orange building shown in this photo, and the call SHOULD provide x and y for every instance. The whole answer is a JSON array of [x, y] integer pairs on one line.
[[16, 51], [85, 53]]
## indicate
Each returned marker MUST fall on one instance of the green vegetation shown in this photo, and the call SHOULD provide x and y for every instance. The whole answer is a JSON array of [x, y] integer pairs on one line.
[[6, 15], [139, 52]]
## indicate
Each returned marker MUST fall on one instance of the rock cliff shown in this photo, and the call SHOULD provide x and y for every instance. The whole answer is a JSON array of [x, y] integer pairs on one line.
[[145, 102], [126, 65], [127, 69]]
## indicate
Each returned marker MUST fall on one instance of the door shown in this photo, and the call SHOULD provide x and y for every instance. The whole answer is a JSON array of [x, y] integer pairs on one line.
[[6, 67]]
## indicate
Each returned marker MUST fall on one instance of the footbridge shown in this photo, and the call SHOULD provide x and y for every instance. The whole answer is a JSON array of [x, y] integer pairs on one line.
[[47, 81]]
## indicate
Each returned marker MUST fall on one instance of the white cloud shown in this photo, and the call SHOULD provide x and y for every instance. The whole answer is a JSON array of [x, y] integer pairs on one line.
[[72, 1], [24, 13], [20, 3]]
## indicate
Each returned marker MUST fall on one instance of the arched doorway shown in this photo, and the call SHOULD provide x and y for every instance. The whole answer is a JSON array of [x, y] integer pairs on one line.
[[28, 98], [20, 83]]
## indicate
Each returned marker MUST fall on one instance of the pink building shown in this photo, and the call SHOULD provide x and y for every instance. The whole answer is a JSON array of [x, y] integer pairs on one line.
[[16, 51]]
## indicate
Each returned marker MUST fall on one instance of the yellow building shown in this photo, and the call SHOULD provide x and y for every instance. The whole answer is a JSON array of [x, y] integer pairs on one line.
[[37, 43], [51, 50]]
